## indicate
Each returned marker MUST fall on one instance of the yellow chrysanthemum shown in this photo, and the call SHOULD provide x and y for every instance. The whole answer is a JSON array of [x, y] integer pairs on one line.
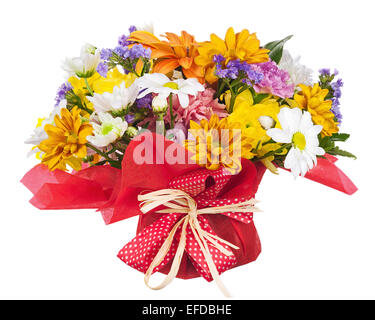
[[99, 84], [66, 143], [244, 46], [216, 143], [249, 115], [313, 100], [114, 79]]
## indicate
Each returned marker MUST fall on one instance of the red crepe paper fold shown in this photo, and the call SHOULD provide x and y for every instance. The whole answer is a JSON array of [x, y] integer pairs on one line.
[[327, 173], [90, 188]]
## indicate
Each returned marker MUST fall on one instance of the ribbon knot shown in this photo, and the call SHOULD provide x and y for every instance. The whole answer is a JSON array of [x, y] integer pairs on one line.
[[178, 201]]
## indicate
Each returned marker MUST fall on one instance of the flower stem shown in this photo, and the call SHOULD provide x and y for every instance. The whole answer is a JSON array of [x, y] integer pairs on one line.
[[88, 87], [171, 110], [271, 153], [232, 96], [112, 162], [160, 126], [221, 87]]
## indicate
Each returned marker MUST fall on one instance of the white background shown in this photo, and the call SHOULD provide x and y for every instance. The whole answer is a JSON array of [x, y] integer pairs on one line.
[[317, 242]]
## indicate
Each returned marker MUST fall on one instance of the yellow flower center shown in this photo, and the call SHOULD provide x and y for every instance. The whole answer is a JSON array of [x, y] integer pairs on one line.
[[106, 128], [171, 85], [299, 141]]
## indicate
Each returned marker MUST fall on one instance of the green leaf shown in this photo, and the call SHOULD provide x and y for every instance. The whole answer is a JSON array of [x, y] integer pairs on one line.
[[336, 151], [326, 143], [260, 97], [276, 49], [342, 137]]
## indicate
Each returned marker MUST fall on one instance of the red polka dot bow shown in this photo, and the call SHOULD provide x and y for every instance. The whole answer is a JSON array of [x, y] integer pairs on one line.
[[183, 217]]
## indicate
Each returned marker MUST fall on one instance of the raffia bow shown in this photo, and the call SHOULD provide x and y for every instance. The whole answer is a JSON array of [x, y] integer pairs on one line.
[[178, 201]]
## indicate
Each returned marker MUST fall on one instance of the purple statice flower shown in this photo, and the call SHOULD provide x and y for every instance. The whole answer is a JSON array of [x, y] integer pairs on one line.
[[129, 118], [106, 54], [325, 72], [275, 81], [62, 91], [132, 29], [336, 110], [122, 52], [123, 40], [145, 102], [102, 69], [334, 87], [229, 71], [235, 69], [219, 59], [135, 52], [252, 76], [138, 51]]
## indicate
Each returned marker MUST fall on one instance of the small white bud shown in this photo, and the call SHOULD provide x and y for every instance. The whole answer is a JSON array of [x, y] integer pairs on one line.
[[131, 131], [159, 104], [266, 122]]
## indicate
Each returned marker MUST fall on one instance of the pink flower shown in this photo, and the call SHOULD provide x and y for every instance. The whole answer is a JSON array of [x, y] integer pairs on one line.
[[275, 81], [200, 107], [178, 134]]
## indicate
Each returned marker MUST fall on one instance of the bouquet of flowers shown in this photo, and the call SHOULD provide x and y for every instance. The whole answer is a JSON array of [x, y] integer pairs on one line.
[[180, 133]]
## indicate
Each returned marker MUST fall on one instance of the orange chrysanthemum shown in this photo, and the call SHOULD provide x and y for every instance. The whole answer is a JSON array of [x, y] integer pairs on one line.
[[244, 46], [178, 51], [66, 143]]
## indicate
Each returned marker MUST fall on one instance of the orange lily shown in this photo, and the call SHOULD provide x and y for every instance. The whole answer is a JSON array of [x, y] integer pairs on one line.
[[178, 51]]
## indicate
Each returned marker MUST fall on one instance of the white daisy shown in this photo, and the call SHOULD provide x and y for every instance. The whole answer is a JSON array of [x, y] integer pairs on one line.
[[161, 84], [85, 65], [118, 100], [297, 71], [109, 130], [298, 129]]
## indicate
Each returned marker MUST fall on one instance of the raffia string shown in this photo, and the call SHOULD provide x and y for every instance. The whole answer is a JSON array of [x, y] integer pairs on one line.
[[178, 201]]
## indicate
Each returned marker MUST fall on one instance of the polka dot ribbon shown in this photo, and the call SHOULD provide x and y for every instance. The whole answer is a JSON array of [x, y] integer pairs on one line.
[[180, 204]]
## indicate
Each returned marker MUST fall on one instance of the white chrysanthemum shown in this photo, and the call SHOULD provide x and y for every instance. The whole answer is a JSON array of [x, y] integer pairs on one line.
[[298, 129], [85, 65], [39, 134], [297, 71], [109, 130], [118, 100], [148, 27], [161, 84]]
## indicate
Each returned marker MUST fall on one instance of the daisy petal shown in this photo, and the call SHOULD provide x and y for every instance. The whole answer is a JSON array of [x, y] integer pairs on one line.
[[184, 99], [279, 135]]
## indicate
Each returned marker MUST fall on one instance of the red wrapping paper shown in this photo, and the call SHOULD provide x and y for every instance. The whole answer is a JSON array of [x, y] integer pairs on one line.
[[327, 173], [114, 192], [90, 188], [209, 189]]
